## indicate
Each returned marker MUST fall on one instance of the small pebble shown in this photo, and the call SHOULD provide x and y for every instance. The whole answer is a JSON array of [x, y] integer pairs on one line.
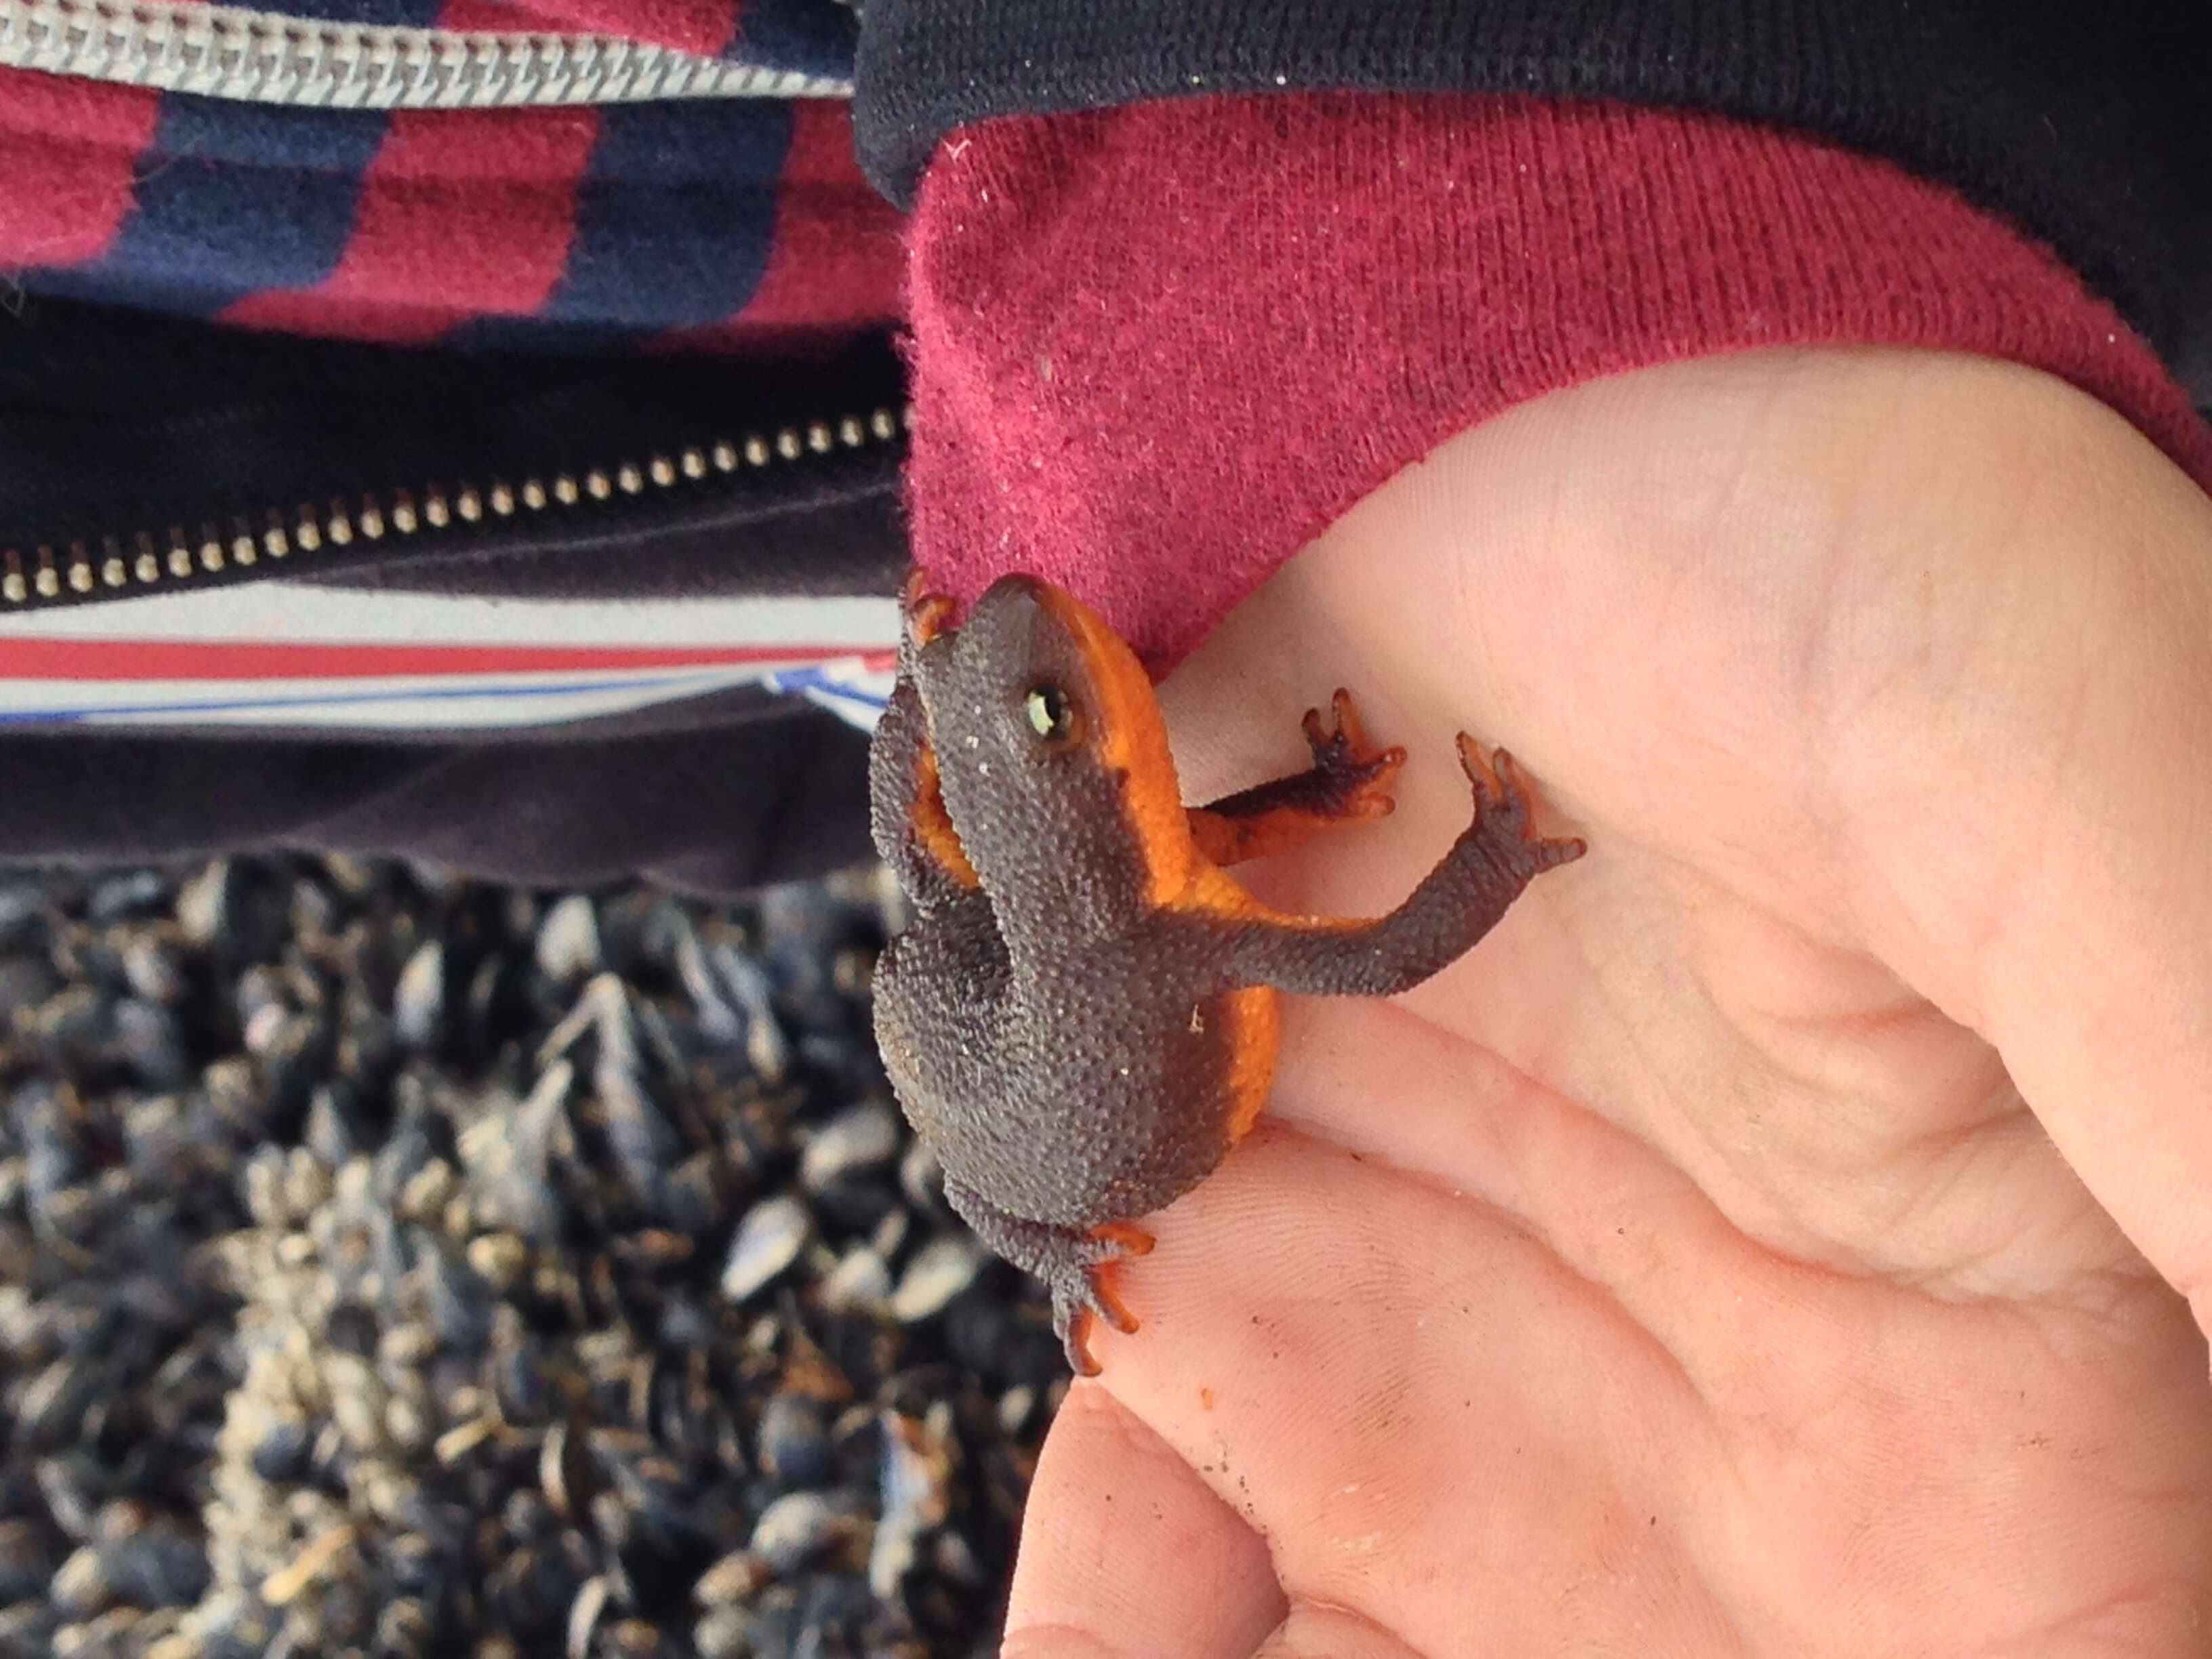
[[114, 897], [151, 969], [500, 1257], [920, 1177], [864, 1137], [419, 1003], [584, 1615], [769, 1240], [724, 1633], [797, 1527], [794, 1441], [940, 1270], [569, 940], [203, 905], [732, 1578], [860, 1283], [81, 1588]]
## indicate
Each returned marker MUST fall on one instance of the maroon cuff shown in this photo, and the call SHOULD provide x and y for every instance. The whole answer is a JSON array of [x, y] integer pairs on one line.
[[1158, 350]]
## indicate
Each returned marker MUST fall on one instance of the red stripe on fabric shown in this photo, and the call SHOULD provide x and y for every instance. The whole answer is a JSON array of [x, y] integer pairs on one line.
[[499, 17], [836, 258], [310, 311], [705, 26], [68, 155], [462, 214], [1159, 348], [188, 659]]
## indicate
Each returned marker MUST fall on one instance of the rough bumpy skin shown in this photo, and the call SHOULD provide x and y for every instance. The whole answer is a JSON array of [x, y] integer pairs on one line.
[[1080, 1022]]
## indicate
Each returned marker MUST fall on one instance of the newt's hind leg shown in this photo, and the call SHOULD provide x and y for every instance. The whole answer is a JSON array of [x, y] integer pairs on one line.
[[906, 820], [924, 608], [912, 832], [1347, 783], [1077, 1267]]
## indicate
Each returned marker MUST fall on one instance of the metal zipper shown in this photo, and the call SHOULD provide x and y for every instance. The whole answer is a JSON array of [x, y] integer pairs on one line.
[[269, 58], [143, 562]]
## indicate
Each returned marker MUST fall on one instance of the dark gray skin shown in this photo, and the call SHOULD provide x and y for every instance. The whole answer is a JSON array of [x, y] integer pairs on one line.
[[1073, 1022]]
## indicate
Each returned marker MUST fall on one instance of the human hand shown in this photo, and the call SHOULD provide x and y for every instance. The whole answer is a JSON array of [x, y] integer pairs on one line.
[[1777, 1237]]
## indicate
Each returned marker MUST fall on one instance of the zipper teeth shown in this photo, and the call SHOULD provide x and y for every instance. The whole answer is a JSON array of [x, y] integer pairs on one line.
[[258, 57], [143, 562]]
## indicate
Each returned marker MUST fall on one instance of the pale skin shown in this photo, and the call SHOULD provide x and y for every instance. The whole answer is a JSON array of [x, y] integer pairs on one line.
[[1779, 1237]]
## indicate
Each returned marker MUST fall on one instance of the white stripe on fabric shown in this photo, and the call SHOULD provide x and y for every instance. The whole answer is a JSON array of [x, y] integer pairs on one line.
[[297, 612], [272, 654]]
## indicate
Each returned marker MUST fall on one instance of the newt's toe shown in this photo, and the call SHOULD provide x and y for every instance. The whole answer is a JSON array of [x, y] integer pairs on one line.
[[1124, 1237], [1481, 771], [1370, 796], [1075, 1337], [1076, 1315], [1122, 1242], [1106, 1296], [1088, 1291], [1504, 814], [1344, 738], [926, 610], [1358, 779]]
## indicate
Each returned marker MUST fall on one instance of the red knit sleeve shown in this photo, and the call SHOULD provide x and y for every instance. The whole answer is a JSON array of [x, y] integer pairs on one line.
[[1157, 350]]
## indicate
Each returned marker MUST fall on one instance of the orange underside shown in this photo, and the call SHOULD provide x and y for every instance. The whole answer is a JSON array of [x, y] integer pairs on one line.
[[1255, 1035], [932, 824]]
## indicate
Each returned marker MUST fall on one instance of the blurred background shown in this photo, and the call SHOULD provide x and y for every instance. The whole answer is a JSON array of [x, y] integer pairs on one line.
[[392, 1265]]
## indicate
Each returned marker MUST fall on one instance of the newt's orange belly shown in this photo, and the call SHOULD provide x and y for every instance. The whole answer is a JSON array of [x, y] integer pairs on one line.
[[1255, 1033]]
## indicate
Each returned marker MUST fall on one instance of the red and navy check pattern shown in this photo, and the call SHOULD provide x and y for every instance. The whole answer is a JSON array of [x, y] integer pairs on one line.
[[717, 223]]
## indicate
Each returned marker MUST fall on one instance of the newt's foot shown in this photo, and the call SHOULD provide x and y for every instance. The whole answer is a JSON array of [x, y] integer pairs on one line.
[[1347, 783], [1084, 1288], [1351, 780], [1078, 1267], [926, 611], [1503, 821]]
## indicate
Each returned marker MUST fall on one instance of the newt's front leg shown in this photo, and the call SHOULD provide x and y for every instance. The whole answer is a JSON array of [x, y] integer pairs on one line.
[[1347, 783], [1074, 1264], [1460, 901]]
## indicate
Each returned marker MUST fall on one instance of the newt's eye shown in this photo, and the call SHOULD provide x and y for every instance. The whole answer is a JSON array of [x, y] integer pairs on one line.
[[1053, 715]]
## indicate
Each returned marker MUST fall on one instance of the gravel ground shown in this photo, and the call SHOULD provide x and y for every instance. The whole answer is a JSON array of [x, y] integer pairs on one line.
[[395, 1266]]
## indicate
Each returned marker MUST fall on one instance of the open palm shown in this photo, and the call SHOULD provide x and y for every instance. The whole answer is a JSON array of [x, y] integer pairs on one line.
[[1774, 1238]]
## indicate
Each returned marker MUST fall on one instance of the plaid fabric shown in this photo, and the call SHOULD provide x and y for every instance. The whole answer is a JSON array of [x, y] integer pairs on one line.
[[711, 224]]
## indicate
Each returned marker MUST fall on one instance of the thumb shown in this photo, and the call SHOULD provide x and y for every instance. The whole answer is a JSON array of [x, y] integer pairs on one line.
[[2054, 891]]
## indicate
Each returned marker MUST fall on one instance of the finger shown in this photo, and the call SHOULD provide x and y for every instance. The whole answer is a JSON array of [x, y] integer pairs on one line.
[[1613, 1212], [1126, 1553], [1443, 1430], [1323, 1632], [2050, 884], [1343, 1355]]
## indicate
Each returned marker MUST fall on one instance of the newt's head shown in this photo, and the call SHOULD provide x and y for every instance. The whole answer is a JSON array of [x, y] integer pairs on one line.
[[1053, 757]]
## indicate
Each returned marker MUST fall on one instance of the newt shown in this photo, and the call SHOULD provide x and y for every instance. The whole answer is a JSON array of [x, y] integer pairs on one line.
[[1080, 1018]]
